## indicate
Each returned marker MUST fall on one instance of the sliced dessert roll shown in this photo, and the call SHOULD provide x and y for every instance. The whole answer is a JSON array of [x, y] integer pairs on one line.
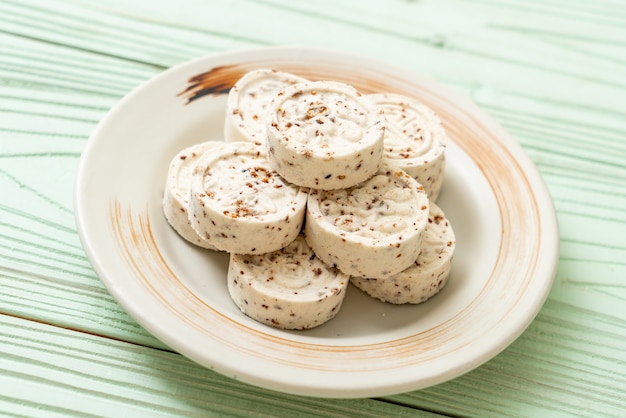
[[371, 230], [248, 100], [324, 135], [240, 204], [427, 275], [289, 289], [415, 140], [177, 188]]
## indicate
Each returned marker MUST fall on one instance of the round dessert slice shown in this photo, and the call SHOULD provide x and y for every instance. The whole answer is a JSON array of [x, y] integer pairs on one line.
[[176, 194], [415, 140], [240, 204], [248, 100], [427, 275], [324, 135], [288, 289], [371, 230]]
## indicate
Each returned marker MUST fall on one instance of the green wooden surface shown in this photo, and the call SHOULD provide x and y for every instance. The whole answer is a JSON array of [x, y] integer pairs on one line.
[[553, 73]]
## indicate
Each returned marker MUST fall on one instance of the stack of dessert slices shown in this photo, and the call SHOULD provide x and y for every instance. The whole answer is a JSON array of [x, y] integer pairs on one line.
[[315, 186]]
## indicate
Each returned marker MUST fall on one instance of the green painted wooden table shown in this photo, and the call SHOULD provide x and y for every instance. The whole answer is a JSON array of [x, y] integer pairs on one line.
[[553, 73]]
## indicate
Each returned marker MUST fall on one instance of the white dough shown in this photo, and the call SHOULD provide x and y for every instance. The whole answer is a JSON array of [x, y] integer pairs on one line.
[[240, 204], [247, 103], [415, 140], [176, 194], [288, 289], [324, 135], [374, 229], [427, 275]]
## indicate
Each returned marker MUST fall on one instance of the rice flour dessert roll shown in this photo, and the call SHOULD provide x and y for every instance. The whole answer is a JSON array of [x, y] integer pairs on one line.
[[374, 229], [324, 135], [240, 204], [289, 289], [248, 100], [176, 194], [427, 275], [415, 140]]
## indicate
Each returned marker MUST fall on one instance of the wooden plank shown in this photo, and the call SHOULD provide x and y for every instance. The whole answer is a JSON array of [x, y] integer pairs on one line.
[[46, 114], [116, 33], [48, 371], [548, 371]]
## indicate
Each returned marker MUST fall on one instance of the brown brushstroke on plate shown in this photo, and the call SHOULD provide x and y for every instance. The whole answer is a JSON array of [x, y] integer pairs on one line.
[[216, 81], [220, 79]]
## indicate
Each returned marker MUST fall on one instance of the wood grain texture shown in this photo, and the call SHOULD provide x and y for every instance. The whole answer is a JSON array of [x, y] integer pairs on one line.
[[552, 73], [551, 356], [50, 371]]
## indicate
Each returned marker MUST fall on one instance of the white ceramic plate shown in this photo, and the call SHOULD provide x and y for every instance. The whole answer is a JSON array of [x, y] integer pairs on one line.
[[506, 255]]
